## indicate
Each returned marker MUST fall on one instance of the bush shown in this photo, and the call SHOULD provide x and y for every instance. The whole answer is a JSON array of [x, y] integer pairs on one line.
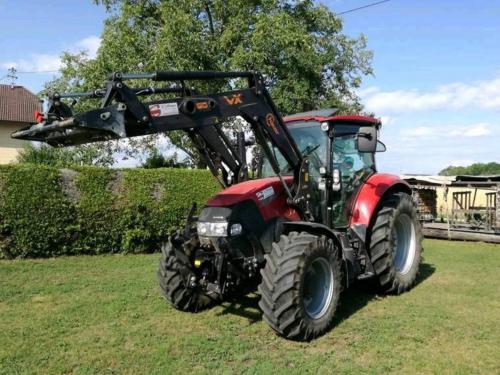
[[63, 157], [45, 211]]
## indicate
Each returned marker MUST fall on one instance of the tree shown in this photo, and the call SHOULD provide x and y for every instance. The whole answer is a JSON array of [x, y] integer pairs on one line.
[[157, 160], [297, 45], [476, 169]]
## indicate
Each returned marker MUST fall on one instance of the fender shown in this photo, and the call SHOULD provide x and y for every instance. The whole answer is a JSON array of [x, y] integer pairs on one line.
[[368, 198], [346, 252], [313, 228]]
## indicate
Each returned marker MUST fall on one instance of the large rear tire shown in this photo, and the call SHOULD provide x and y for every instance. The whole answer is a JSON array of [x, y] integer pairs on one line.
[[301, 285], [174, 274], [396, 244]]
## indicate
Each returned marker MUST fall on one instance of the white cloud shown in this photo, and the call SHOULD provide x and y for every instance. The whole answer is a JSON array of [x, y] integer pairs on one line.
[[477, 130], [472, 130], [38, 62], [421, 131], [387, 120], [454, 96], [461, 162], [90, 44], [366, 91], [35, 63]]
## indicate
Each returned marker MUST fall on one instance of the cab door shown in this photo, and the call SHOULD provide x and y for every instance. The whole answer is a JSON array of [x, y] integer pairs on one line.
[[355, 168]]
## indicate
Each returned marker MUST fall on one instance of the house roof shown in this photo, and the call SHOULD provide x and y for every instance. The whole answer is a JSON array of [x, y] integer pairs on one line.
[[18, 104]]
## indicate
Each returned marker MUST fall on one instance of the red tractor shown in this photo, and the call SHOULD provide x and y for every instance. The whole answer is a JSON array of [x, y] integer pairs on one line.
[[309, 220]]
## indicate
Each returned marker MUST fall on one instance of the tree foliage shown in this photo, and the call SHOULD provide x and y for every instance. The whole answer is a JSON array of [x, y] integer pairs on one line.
[[298, 46], [156, 159], [476, 169]]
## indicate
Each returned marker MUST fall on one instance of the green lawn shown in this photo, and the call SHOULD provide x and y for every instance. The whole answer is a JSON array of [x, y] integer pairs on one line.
[[103, 314]]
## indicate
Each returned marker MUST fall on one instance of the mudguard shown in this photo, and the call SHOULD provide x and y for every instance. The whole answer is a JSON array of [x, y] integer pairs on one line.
[[311, 227], [369, 196]]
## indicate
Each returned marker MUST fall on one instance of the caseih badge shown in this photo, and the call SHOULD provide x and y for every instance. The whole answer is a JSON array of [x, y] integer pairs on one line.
[[163, 109], [266, 193]]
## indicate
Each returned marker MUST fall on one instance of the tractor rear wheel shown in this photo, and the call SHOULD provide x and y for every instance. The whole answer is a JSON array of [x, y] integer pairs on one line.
[[174, 276], [300, 286], [396, 244]]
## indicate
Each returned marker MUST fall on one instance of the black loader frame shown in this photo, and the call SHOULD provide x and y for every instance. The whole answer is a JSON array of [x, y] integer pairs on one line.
[[123, 115]]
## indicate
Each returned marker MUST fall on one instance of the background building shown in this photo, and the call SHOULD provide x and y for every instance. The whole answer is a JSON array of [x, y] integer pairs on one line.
[[17, 108]]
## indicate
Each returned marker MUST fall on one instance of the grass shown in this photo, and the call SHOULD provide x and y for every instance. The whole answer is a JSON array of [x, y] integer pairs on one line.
[[103, 315]]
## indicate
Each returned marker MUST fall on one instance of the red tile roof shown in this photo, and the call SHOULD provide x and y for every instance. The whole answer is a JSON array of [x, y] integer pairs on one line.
[[18, 104]]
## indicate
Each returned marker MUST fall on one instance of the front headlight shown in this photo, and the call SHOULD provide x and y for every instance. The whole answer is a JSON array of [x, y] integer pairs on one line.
[[212, 229], [236, 229]]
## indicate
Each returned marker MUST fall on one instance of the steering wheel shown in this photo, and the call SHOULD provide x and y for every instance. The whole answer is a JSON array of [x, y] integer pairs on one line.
[[308, 151]]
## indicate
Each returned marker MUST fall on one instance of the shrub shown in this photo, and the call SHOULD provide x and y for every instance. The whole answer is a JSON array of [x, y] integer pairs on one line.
[[62, 157], [45, 211]]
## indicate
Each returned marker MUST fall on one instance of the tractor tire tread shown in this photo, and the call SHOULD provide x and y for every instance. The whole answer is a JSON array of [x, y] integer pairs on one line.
[[280, 287], [381, 245], [173, 263]]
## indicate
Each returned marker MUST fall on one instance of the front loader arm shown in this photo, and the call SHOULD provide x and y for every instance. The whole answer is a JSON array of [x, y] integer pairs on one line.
[[122, 114]]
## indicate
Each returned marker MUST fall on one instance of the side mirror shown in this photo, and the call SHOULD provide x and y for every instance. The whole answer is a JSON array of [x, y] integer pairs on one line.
[[367, 139], [381, 147]]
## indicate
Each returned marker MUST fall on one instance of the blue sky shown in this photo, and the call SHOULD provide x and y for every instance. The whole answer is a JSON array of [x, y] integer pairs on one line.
[[437, 69]]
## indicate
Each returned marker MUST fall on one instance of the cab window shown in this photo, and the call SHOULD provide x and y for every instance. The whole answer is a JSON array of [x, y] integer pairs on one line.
[[310, 140], [346, 157]]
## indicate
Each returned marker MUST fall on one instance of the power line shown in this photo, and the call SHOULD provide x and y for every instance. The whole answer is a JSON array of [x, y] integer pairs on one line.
[[363, 7]]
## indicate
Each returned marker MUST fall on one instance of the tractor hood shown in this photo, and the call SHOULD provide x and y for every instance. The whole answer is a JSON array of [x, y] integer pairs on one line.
[[259, 191], [267, 194]]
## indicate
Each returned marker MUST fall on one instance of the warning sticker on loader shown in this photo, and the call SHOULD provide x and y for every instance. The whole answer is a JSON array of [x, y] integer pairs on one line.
[[266, 193], [163, 109]]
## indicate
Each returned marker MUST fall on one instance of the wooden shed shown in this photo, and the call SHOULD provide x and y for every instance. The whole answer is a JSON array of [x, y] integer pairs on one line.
[[458, 207]]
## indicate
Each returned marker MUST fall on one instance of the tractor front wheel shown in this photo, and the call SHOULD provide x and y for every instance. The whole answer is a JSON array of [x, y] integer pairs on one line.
[[174, 276], [301, 284], [396, 244]]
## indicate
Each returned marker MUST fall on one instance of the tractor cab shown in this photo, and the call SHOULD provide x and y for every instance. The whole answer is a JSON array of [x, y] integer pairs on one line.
[[341, 154]]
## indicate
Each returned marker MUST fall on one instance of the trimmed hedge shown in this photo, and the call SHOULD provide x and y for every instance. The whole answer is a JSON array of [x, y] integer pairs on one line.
[[45, 211]]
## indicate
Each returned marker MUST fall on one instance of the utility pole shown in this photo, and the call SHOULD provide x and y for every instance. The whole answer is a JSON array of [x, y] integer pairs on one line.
[[13, 77]]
